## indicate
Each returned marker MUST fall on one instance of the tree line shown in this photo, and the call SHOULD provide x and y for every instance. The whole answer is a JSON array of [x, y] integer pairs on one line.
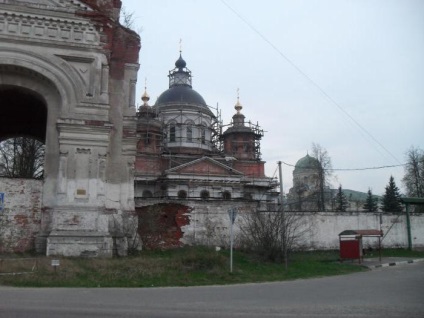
[[413, 182]]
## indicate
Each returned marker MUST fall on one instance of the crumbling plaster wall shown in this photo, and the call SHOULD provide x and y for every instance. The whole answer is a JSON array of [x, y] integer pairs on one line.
[[209, 224], [84, 64], [21, 214]]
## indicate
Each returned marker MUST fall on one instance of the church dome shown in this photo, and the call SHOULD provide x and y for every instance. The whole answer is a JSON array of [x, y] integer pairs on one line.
[[180, 63], [181, 94], [306, 162]]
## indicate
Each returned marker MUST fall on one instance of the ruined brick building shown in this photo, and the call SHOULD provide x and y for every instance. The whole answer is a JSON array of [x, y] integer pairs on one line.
[[68, 71], [114, 177]]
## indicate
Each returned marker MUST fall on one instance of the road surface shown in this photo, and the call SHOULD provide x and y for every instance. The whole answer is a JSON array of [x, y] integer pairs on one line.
[[386, 292]]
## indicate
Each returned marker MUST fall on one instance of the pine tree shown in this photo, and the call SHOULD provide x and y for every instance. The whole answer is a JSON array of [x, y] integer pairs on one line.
[[371, 203], [391, 199], [341, 201]]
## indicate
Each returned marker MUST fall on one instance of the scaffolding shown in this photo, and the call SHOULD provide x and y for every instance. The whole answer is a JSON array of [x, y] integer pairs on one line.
[[183, 129]]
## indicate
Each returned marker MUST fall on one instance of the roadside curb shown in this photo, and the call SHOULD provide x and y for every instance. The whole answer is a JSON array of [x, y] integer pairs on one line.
[[396, 263]]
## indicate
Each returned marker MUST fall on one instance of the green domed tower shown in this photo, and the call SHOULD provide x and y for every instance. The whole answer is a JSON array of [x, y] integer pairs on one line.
[[306, 184]]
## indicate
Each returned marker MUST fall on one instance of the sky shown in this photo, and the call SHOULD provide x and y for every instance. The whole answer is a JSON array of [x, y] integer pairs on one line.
[[345, 74]]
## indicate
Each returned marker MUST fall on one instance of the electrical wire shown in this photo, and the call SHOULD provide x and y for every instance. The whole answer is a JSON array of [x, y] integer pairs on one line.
[[353, 169], [310, 80]]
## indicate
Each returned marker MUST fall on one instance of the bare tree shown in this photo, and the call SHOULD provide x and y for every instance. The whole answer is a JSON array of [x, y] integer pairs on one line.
[[324, 172], [127, 18], [272, 235], [414, 173], [22, 157]]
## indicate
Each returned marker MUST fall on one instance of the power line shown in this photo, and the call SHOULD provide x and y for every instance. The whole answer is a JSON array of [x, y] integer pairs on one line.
[[352, 169], [310, 80]]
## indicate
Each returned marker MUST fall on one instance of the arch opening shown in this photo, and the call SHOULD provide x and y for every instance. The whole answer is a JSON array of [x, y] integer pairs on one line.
[[23, 122], [23, 113]]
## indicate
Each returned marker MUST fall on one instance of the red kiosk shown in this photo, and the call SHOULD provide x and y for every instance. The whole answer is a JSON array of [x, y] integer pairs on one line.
[[351, 243]]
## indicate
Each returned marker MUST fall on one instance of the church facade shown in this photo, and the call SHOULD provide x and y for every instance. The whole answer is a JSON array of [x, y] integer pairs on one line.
[[191, 169]]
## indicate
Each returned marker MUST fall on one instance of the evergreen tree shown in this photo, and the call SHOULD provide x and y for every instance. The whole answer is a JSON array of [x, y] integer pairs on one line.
[[371, 203], [341, 201], [391, 199]]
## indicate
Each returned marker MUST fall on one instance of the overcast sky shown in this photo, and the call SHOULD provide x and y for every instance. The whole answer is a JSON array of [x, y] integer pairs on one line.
[[346, 74]]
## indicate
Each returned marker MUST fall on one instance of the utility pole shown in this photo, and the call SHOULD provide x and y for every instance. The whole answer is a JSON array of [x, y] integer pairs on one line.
[[283, 217]]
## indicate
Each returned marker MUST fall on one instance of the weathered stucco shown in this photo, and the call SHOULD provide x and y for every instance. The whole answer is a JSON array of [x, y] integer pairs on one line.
[[20, 217], [83, 64]]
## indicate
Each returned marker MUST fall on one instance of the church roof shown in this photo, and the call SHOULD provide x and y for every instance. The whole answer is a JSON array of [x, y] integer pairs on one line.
[[307, 162], [180, 92]]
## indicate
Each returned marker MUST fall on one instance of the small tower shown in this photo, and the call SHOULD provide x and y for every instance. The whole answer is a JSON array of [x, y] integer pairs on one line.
[[187, 119], [180, 75], [241, 141], [149, 128]]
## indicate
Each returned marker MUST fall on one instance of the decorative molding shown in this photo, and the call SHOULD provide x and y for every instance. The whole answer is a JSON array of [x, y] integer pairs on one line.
[[51, 5], [85, 68], [35, 27], [86, 151]]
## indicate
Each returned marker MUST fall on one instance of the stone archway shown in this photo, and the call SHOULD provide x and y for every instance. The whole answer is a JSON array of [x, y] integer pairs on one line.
[[74, 68], [30, 106]]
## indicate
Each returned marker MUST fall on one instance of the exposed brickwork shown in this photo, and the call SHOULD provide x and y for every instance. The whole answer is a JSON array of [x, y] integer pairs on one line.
[[150, 165], [254, 169], [122, 45], [160, 225], [205, 168], [21, 217]]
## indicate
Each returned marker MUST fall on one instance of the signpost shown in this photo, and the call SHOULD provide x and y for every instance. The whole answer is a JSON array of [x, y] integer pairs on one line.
[[55, 263], [1, 201], [232, 213]]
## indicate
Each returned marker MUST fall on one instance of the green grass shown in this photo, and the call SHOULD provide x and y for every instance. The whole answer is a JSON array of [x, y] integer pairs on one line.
[[181, 267]]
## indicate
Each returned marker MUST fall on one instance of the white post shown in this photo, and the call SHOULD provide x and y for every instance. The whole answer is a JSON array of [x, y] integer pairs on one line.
[[231, 247], [232, 213]]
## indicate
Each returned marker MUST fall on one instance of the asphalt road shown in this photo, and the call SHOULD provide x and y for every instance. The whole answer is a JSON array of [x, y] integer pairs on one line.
[[386, 292]]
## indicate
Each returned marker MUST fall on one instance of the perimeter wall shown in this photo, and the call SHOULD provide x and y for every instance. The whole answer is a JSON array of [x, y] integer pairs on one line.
[[208, 222]]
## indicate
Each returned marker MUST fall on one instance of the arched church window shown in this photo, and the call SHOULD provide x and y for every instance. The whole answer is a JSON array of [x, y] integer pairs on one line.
[[172, 133], [189, 131], [203, 134], [182, 194], [226, 195], [204, 194]]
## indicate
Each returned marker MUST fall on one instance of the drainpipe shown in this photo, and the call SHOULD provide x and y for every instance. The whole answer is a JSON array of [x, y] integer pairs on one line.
[[408, 227]]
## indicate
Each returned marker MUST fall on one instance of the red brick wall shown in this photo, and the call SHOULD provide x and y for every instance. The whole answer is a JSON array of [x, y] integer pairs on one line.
[[240, 145], [253, 169], [149, 165], [159, 225], [204, 168]]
